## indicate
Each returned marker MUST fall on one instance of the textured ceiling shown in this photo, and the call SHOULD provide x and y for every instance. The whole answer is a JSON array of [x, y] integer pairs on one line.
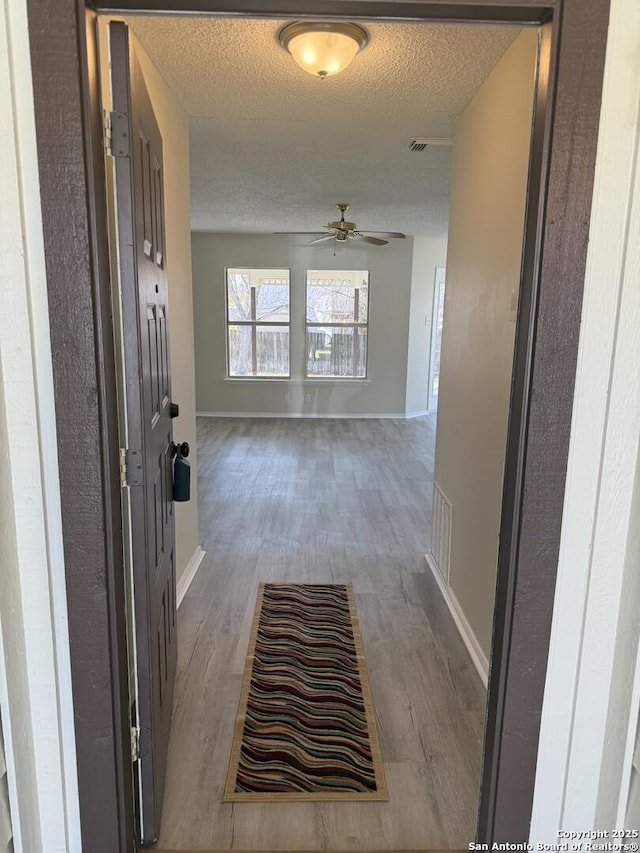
[[273, 148]]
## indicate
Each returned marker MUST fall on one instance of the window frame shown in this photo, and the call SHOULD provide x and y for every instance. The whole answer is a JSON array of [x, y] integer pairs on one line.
[[354, 325], [255, 324]]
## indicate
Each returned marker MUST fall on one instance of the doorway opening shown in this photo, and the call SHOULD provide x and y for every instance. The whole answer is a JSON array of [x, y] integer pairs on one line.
[[555, 249], [437, 322], [324, 332]]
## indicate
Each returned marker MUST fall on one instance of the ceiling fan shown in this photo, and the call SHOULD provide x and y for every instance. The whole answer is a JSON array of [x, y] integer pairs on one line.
[[342, 231]]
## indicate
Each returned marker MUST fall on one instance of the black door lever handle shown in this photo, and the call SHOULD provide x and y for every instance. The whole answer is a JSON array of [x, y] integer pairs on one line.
[[182, 449], [181, 472]]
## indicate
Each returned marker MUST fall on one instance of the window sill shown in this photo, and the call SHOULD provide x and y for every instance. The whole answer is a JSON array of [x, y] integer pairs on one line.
[[324, 380], [316, 380]]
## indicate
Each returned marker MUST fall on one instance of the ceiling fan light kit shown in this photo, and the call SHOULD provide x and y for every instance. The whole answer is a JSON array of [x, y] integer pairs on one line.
[[340, 231], [323, 48]]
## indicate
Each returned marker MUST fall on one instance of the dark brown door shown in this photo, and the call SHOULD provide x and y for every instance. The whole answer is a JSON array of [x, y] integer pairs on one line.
[[136, 146]]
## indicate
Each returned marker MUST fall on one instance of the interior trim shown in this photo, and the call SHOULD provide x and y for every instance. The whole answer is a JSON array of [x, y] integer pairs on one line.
[[186, 579], [464, 629]]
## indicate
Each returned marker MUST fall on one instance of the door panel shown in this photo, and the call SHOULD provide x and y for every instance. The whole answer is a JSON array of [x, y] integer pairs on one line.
[[159, 213], [143, 285], [146, 201]]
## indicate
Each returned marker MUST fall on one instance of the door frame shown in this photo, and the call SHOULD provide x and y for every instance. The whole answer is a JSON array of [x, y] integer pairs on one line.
[[69, 141]]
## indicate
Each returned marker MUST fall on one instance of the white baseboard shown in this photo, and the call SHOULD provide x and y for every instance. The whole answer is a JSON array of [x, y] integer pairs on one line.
[[416, 414], [189, 574], [354, 417], [468, 637]]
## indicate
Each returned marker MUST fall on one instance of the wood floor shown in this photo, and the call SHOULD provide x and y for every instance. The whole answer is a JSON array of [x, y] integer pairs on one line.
[[324, 501]]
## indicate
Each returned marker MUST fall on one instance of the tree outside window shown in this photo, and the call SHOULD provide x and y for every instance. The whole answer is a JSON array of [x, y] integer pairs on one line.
[[337, 321], [258, 321]]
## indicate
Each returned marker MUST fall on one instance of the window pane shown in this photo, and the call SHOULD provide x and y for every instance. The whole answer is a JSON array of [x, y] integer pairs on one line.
[[272, 351], [337, 296], [270, 356], [238, 295], [272, 303], [258, 294], [336, 351], [240, 351], [363, 302]]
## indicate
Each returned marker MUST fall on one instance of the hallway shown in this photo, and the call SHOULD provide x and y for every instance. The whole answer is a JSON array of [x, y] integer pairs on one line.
[[324, 501]]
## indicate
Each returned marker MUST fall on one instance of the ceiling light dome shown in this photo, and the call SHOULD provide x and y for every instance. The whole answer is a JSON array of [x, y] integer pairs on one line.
[[323, 48]]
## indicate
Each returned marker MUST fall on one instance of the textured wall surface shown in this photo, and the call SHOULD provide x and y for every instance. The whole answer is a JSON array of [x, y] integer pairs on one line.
[[262, 162]]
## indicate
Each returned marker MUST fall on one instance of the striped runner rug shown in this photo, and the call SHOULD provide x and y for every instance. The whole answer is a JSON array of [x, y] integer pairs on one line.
[[306, 728]]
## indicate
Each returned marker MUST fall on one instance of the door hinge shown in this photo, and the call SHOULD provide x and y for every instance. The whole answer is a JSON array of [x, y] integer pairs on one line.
[[116, 134], [131, 468], [135, 744]]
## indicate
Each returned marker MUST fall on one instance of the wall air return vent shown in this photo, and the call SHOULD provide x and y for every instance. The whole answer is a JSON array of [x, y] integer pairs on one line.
[[441, 532], [421, 143]]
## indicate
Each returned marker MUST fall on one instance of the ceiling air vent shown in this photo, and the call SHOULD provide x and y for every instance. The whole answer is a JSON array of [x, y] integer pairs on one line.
[[421, 143]]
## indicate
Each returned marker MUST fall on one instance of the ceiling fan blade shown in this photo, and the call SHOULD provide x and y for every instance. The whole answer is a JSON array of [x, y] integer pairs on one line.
[[297, 233], [321, 239], [393, 234], [374, 240]]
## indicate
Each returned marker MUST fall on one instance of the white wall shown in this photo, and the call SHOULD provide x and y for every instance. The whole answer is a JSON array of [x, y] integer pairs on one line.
[[174, 127], [35, 679], [383, 392], [592, 692], [486, 221], [428, 253]]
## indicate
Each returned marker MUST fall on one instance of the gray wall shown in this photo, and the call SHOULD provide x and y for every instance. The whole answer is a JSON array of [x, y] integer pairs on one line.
[[384, 390], [486, 220]]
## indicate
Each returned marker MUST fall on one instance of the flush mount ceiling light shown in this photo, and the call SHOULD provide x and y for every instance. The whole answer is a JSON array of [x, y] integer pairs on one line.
[[323, 48]]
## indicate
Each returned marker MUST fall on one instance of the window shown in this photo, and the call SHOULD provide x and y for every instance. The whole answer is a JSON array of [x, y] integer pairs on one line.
[[337, 323], [258, 323]]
